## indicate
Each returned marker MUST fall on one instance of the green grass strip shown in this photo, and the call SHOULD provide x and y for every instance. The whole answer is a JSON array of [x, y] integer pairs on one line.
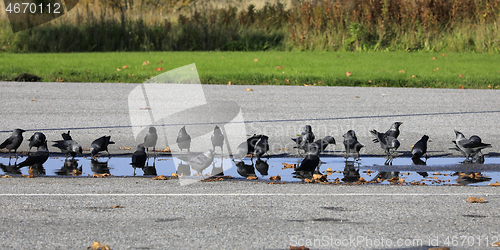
[[391, 69]]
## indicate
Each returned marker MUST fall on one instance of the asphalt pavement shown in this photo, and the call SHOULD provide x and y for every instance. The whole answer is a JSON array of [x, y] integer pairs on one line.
[[140, 213]]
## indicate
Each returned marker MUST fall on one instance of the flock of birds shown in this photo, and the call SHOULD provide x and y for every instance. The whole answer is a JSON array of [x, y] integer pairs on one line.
[[256, 145]]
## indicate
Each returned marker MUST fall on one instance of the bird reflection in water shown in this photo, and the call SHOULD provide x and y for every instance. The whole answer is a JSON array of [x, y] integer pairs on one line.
[[150, 169], [37, 169], [10, 168], [245, 170], [351, 172], [184, 169], [69, 167], [218, 171], [262, 167], [466, 178], [381, 176], [99, 167]]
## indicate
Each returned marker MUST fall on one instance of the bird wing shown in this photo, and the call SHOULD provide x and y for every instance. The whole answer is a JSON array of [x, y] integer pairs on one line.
[[7, 142]]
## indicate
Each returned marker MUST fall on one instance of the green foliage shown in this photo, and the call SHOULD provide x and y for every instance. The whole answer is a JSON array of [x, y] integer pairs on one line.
[[323, 25]]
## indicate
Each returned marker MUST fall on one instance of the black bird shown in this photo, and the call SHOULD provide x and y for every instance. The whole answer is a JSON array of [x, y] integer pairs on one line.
[[183, 139], [470, 147], [386, 142], [68, 147], [247, 147], [217, 139], [420, 148], [100, 144], [351, 143], [323, 143], [139, 157], [151, 138], [14, 141], [198, 161], [261, 147], [307, 136], [99, 167], [393, 131], [36, 140], [311, 160], [38, 158], [66, 136]]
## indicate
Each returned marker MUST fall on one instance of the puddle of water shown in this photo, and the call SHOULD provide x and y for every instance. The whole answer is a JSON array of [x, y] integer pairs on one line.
[[437, 171]]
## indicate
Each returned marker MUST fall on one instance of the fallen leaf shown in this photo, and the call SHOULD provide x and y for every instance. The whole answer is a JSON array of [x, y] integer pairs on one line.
[[298, 248], [125, 148], [460, 87], [461, 76], [436, 69], [255, 60], [117, 206], [275, 178], [160, 177], [31, 173], [368, 171], [401, 71], [6, 176], [125, 67], [443, 54], [496, 244], [286, 165], [320, 177], [101, 175], [475, 200], [119, 69], [59, 79], [97, 246], [369, 81], [229, 83], [167, 150], [286, 80], [489, 184], [249, 89], [252, 177], [159, 62], [348, 73], [279, 67], [307, 85], [319, 82], [414, 76], [174, 175], [76, 172], [356, 97], [159, 69], [329, 171], [436, 173], [434, 58]]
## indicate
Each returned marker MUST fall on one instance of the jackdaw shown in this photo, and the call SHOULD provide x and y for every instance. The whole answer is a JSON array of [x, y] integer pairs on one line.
[[38, 158], [100, 144], [217, 138], [199, 161], [36, 140], [151, 138], [351, 143], [14, 141], [323, 143], [393, 131], [310, 162], [248, 147], [307, 136], [139, 157], [183, 139], [470, 147], [386, 142], [420, 148], [68, 147], [261, 147]]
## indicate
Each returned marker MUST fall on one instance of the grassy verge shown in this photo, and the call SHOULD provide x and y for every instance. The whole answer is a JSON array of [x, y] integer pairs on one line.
[[400, 69]]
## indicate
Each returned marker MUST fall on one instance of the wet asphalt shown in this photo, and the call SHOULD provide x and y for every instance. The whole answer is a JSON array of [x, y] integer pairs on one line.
[[140, 213]]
